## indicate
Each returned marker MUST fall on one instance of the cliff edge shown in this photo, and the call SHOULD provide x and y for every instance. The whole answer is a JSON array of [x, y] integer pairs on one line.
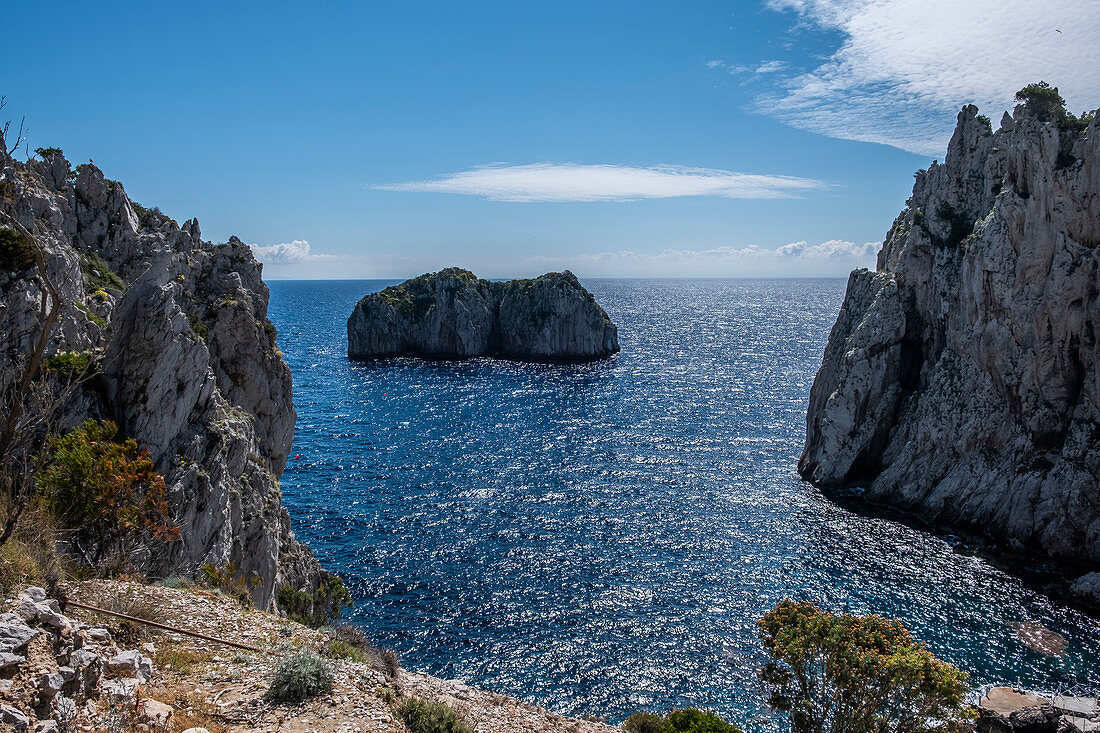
[[188, 358], [961, 381], [455, 314]]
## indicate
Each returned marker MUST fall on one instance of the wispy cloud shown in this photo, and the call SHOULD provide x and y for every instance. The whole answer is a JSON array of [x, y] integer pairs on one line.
[[905, 67], [574, 182], [291, 253], [834, 258]]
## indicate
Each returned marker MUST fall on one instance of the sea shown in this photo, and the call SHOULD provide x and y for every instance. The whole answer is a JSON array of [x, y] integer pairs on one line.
[[602, 538]]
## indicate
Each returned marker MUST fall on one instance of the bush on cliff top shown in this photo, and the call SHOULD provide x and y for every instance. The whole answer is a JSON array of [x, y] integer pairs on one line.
[[1046, 104], [835, 674]]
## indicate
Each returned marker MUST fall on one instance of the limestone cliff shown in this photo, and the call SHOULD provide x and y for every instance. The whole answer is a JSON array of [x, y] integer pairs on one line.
[[961, 381], [189, 360], [454, 314]]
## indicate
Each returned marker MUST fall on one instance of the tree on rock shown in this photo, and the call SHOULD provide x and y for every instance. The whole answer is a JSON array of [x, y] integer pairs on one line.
[[1043, 101], [857, 674]]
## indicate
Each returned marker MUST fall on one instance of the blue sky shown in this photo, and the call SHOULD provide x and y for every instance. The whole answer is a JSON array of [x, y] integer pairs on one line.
[[613, 138]]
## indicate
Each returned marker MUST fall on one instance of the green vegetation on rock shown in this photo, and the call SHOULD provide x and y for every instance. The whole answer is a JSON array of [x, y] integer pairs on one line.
[[97, 274], [16, 251]]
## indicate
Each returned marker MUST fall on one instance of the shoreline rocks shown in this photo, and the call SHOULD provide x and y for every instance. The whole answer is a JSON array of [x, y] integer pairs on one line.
[[959, 384], [453, 314]]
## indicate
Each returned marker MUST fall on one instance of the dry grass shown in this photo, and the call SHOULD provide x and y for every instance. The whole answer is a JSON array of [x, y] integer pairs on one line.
[[181, 659], [30, 556]]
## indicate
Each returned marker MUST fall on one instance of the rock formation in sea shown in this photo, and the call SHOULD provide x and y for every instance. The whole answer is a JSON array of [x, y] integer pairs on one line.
[[190, 366], [961, 381], [455, 314]]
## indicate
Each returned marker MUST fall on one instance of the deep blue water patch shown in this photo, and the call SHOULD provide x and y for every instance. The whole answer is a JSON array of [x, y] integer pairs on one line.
[[601, 538]]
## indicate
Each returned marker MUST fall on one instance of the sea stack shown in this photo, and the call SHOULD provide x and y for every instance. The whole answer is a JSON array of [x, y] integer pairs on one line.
[[453, 314], [961, 381]]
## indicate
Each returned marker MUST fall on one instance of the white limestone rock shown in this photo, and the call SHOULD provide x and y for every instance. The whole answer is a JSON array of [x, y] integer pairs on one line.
[[189, 361], [976, 402]]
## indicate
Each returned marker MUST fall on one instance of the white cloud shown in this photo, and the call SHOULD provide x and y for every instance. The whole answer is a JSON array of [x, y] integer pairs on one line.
[[834, 258], [574, 182], [293, 253], [905, 67]]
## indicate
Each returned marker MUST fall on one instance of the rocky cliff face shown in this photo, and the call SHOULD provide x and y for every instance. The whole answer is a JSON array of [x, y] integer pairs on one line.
[[189, 360], [962, 379], [454, 314]]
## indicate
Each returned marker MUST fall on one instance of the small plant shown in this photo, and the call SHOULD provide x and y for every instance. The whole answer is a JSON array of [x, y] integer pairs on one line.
[[227, 581], [299, 676], [48, 152], [318, 608], [426, 716], [181, 659], [198, 327], [97, 274], [337, 649]]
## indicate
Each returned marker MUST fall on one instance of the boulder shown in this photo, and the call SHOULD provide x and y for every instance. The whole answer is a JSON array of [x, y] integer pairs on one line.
[[1005, 710], [454, 314]]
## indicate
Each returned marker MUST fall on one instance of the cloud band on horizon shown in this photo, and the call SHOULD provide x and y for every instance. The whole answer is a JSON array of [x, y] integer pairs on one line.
[[561, 182]]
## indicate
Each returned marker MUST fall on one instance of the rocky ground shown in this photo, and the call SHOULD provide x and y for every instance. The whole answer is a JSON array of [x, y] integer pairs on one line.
[[83, 671]]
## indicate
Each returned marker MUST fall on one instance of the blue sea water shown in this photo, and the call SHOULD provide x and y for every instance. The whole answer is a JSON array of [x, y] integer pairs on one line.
[[602, 538]]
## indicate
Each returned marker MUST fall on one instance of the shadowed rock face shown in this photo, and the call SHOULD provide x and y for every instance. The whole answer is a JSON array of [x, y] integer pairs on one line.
[[190, 365], [962, 379], [454, 314]]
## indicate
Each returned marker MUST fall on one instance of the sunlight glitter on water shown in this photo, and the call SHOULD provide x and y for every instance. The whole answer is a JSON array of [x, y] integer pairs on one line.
[[602, 537]]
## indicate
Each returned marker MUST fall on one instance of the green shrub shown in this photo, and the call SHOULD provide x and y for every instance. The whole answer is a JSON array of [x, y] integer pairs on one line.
[[147, 217], [427, 716], [885, 679], [106, 492], [201, 329], [687, 720], [70, 363], [1043, 101], [47, 152], [337, 649], [318, 608], [97, 274], [17, 251], [299, 676], [643, 723], [227, 581]]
